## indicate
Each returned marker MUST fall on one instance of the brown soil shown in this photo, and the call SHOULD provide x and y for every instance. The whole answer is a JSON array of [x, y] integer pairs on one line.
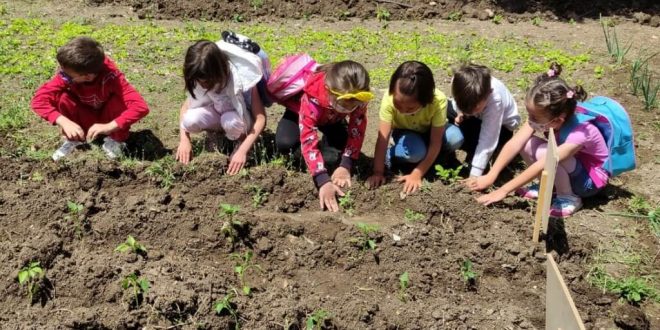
[[308, 259], [398, 10]]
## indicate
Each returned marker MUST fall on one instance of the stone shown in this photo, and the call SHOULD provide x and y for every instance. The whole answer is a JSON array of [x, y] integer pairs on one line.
[[655, 21], [641, 17], [432, 3], [436, 315]]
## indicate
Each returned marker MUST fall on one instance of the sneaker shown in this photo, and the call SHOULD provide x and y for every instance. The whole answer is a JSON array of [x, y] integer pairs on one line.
[[66, 148], [112, 148], [565, 205], [529, 192]]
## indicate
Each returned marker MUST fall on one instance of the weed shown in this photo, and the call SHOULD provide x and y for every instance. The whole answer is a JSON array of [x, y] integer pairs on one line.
[[132, 245], [163, 170], [412, 216], [226, 304], [650, 88], [536, 21], [448, 175], [633, 289], [382, 14], [344, 15], [30, 276], [642, 209], [468, 273], [365, 241], [599, 71], [238, 18], [231, 226], [638, 205], [316, 320], [138, 285], [403, 285], [455, 16], [639, 68], [74, 209], [256, 4], [258, 196], [612, 41], [243, 264], [347, 203]]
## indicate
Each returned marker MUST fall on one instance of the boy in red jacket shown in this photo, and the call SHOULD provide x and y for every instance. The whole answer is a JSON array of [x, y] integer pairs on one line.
[[89, 97]]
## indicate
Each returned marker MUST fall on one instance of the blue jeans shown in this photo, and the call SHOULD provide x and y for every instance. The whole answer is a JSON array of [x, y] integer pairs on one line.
[[581, 183], [411, 147]]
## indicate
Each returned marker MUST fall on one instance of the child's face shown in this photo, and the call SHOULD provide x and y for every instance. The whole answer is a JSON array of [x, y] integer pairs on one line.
[[77, 78], [345, 105], [405, 104], [480, 107], [540, 120]]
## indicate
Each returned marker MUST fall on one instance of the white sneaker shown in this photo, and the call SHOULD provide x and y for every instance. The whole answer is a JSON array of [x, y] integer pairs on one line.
[[66, 148], [112, 148]]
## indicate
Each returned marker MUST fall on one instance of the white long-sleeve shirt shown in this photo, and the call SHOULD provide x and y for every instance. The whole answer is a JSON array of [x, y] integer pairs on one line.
[[500, 111]]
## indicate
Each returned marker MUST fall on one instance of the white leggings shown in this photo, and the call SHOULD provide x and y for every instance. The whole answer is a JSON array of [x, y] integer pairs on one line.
[[196, 120]]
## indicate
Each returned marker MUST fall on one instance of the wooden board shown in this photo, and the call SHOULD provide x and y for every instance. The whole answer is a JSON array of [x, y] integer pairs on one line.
[[538, 219], [546, 186], [560, 311]]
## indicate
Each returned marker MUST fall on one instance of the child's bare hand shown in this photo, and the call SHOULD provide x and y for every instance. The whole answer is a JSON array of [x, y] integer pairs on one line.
[[184, 152], [477, 183], [375, 180], [328, 196], [71, 130], [341, 177], [492, 197], [236, 162], [411, 182], [101, 129]]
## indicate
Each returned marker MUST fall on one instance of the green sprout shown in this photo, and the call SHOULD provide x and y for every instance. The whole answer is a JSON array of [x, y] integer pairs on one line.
[[382, 14], [226, 304], [162, 170], [230, 226], [74, 209], [403, 285], [243, 264], [612, 41], [412, 216], [316, 319], [633, 289], [258, 196], [132, 245], [468, 273], [365, 241], [347, 203], [447, 175], [30, 276], [138, 285]]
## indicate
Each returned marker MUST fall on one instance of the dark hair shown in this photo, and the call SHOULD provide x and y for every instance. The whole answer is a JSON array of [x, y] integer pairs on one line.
[[415, 79], [205, 61], [553, 95], [345, 76], [82, 55], [470, 86]]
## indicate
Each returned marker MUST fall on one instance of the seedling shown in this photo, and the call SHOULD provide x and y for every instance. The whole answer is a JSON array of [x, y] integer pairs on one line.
[[497, 19], [412, 216], [132, 245], [536, 21], [638, 69], [258, 196], [455, 16], [613, 48], [256, 4], [382, 14], [139, 286], [469, 275], [650, 88], [403, 285], [316, 319], [162, 171], [243, 264], [448, 175], [347, 203], [30, 276], [365, 241], [74, 209], [633, 289], [230, 226], [227, 305]]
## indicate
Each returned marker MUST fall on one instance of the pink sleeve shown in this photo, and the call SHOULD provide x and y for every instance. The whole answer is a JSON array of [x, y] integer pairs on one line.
[[308, 122], [136, 107], [579, 135]]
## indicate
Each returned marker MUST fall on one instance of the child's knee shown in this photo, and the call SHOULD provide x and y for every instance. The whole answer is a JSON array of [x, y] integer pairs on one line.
[[453, 138], [193, 121], [534, 148], [412, 148]]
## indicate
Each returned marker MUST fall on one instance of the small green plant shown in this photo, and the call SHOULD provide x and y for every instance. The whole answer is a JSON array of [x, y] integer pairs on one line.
[[536, 21], [231, 225], [131, 245], [599, 71], [455, 16], [497, 19], [411, 215], [468, 273], [316, 320], [258, 196], [447, 175], [382, 14], [404, 281], [74, 215], [30, 276], [347, 203], [238, 18], [652, 215], [650, 88], [365, 241], [633, 289], [612, 41], [227, 305], [638, 70], [243, 264], [256, 4], [638, 205], [138, 285], [162, 170]]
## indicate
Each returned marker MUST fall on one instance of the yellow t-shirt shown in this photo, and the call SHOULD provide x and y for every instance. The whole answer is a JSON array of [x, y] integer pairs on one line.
[[432, 115]]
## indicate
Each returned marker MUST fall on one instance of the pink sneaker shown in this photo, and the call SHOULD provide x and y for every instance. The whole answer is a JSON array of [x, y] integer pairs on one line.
[[529, 192], [565, 205]]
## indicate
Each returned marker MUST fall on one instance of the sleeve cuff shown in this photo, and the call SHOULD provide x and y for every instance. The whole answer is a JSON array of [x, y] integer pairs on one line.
[[52, 118], [320, 179], [346, 162], [475, 171]]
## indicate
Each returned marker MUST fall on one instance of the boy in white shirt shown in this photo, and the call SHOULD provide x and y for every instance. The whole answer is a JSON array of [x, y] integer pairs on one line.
[[484, 111]]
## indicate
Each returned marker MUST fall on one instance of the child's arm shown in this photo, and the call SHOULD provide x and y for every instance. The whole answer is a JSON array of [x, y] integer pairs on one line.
[[509, 151], [44, 103], [184, 150], [563, 152], [377, 178], [357, 125], [237, 159], [413, 180], [489, 134]]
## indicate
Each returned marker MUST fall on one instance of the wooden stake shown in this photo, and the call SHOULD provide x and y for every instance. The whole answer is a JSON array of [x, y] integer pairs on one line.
[[540, 206], [545, 187], [560, 311]]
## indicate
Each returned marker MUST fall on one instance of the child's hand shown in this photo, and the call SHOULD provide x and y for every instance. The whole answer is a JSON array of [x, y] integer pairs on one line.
[[184, 152], [327, 196], [375, 180], [478, 183], [236, 162], [492, 197], [101, 129], [341, 177], [411, 182], [70, 130]]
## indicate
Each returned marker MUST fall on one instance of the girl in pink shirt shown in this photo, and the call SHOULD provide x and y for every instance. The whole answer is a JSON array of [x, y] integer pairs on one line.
[[550, 104]]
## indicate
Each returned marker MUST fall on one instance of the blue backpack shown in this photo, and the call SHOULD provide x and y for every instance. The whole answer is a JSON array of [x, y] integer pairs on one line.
[[614, 124]]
